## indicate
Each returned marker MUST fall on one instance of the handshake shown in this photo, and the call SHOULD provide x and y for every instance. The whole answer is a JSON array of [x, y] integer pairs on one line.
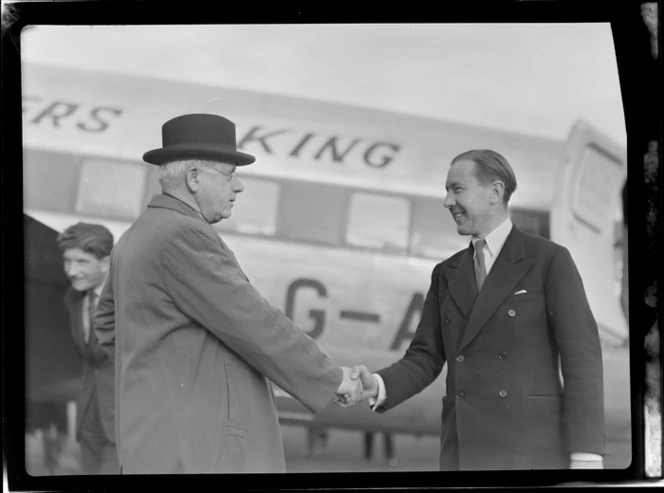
[[358, 385]]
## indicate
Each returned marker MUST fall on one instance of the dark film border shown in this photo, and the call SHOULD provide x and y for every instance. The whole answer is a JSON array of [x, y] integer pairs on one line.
[[640, 76]]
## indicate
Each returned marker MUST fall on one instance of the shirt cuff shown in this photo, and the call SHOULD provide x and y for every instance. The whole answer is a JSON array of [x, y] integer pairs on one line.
[[586, 457], [382, 394]]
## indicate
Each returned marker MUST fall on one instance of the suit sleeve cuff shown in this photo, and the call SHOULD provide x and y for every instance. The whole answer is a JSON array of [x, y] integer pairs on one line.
[[586, 457], [382, 394]]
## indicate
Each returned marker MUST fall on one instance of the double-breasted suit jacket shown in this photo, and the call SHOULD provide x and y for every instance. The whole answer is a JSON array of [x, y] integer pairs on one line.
[[195, 345], [506, 406], [95, 401]]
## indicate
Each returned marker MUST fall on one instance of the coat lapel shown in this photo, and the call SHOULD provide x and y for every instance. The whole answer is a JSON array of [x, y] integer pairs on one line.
[[461, 281], [510, 266]]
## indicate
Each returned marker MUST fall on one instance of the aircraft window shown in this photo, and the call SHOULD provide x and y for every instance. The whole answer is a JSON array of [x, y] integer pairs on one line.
[[255, 211], [378, 221], [534, 222], [50, 180], [434, 233], [110, 188], [312, 212]]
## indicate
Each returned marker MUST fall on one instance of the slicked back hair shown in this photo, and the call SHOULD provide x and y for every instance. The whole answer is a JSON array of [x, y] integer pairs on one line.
[[94, 239], [490, 167]]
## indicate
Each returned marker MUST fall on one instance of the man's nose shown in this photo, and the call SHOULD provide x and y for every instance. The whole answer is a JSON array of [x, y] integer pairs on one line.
[[237, 185], [71, 270], [449, 201]]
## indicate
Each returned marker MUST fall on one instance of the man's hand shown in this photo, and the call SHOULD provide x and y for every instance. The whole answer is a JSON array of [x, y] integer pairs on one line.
[[368, 387], [369, 383], [350, 390]]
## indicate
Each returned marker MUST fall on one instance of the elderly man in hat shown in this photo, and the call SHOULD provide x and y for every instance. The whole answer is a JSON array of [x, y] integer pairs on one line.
[[195, 345]]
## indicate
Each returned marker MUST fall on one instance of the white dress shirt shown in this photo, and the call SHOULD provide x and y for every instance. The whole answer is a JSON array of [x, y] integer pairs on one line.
[[492, 247], [494, 243]]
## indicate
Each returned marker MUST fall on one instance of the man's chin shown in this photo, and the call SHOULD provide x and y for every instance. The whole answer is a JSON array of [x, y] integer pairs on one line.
[[462, 230], [218, 219]]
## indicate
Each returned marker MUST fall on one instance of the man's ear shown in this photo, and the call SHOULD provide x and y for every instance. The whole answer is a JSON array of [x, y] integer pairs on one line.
[[497, 192], [192, 179]]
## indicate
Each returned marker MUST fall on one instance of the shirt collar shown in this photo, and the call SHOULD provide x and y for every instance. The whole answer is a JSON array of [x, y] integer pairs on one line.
[[496, 239], [98, 289]]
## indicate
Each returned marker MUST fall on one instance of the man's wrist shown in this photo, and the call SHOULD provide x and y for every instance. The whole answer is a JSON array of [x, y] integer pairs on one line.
[[381, 395]]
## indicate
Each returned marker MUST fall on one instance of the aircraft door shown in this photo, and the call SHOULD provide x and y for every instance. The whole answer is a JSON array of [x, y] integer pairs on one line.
[[586, 206]]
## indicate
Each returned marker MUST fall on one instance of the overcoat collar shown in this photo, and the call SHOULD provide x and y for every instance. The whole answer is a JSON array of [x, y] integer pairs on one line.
[[166, 201], [510, 266]]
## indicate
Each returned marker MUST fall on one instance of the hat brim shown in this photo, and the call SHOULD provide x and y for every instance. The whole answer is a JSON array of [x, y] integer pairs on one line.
[[197, 151]]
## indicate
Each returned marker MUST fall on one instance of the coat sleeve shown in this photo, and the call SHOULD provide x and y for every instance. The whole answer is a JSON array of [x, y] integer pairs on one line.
[[424, 358], [207, 285], [577, 338], [105, 318]]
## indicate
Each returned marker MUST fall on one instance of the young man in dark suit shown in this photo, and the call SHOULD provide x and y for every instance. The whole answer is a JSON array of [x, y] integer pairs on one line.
[[85, 250], [509, 316]]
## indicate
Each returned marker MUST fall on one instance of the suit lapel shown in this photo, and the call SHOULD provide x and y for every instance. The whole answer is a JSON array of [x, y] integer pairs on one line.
[[461, 281], [76, 318], [510, 266]]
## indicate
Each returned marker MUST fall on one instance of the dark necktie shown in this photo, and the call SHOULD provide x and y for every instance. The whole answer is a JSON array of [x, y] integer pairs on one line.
[[480, 266], [91, 314]]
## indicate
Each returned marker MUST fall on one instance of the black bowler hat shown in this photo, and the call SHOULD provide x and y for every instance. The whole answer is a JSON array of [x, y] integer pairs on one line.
[[198, 136]]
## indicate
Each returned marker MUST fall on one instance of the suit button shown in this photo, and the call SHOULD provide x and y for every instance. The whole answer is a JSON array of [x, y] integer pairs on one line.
[[460, 358], [461, 395], [448, 319], [502, 394], [502, 355], [511, 313]]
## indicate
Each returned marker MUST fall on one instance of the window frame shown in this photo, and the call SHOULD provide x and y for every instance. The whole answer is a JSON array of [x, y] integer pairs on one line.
[[399, 251], [87, 161], [221, 228]]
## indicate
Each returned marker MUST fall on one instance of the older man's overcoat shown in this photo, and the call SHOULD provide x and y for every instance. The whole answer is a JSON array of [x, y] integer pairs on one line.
[[505, 405], [194, 346]]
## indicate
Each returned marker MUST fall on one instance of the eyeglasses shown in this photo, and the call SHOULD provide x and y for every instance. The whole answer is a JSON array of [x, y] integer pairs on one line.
[[229, 175]]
